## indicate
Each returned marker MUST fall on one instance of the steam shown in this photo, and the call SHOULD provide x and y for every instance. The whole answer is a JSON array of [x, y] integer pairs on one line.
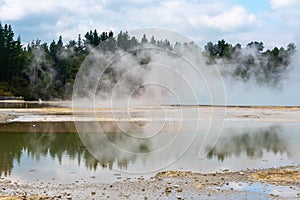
[[280, 91], [162, 74], [133, 85], [44, 71], [149, 75], [41, 73]]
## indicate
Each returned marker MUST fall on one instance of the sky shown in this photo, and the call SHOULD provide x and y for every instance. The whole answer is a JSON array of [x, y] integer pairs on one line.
[[274, 22]]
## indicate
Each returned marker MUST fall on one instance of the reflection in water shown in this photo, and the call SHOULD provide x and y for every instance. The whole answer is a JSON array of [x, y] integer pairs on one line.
[[13, 145], [252, 143], [40, 149], [37, 145]]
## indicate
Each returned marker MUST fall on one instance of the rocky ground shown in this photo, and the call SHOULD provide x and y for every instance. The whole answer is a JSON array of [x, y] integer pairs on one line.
[[285, 184]]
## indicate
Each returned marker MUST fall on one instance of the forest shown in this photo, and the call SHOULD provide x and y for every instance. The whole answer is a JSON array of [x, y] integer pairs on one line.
[[45, 71]]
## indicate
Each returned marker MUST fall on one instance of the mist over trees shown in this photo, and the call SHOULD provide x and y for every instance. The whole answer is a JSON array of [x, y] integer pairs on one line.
[[47, 71], [251, 62]]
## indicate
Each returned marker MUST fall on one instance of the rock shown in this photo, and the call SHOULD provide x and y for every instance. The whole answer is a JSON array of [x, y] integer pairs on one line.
[[179, 190], [168, 190], [6, 181], [200, 186]]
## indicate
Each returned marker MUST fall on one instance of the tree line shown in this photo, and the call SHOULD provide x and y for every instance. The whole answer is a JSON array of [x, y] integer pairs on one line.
[[252, 62], [47, 71]]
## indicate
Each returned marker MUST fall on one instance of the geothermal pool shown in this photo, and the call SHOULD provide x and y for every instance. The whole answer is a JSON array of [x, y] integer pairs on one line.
[[43, 145]]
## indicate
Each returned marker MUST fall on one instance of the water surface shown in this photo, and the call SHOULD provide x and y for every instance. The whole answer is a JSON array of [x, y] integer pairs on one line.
[[61, 157]]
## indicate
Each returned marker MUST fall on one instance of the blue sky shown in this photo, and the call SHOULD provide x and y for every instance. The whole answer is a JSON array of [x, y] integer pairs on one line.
[[254, 5], [275, 22]]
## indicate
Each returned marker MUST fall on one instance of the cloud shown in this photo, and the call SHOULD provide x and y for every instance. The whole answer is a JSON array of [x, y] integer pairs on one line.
[[202, 20], [235, 18], [287, 13], [12, 10], [16, 9], [278, 4], [191, 17]]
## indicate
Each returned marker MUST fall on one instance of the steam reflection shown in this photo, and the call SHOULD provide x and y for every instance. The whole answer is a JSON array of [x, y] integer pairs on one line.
[[238, 145]]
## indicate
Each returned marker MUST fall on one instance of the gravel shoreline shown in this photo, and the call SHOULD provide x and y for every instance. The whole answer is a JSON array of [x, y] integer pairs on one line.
[[164, 185]]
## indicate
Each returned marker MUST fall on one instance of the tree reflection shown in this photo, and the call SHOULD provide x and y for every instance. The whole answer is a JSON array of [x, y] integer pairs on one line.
[[238, 142], [38, 145], [253, 143], [11, 149]]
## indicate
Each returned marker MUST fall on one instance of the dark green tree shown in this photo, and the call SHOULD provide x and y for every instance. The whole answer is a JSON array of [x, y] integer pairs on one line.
[[123, 40], [259, 46], [144, 39]]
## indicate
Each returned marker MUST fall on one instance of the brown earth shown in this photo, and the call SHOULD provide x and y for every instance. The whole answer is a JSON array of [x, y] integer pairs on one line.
[[278, 176]]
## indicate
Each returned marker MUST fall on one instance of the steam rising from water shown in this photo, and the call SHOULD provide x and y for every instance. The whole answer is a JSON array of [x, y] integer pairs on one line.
[[133, 85], [149, 75], [153, 75], [284, 93]]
